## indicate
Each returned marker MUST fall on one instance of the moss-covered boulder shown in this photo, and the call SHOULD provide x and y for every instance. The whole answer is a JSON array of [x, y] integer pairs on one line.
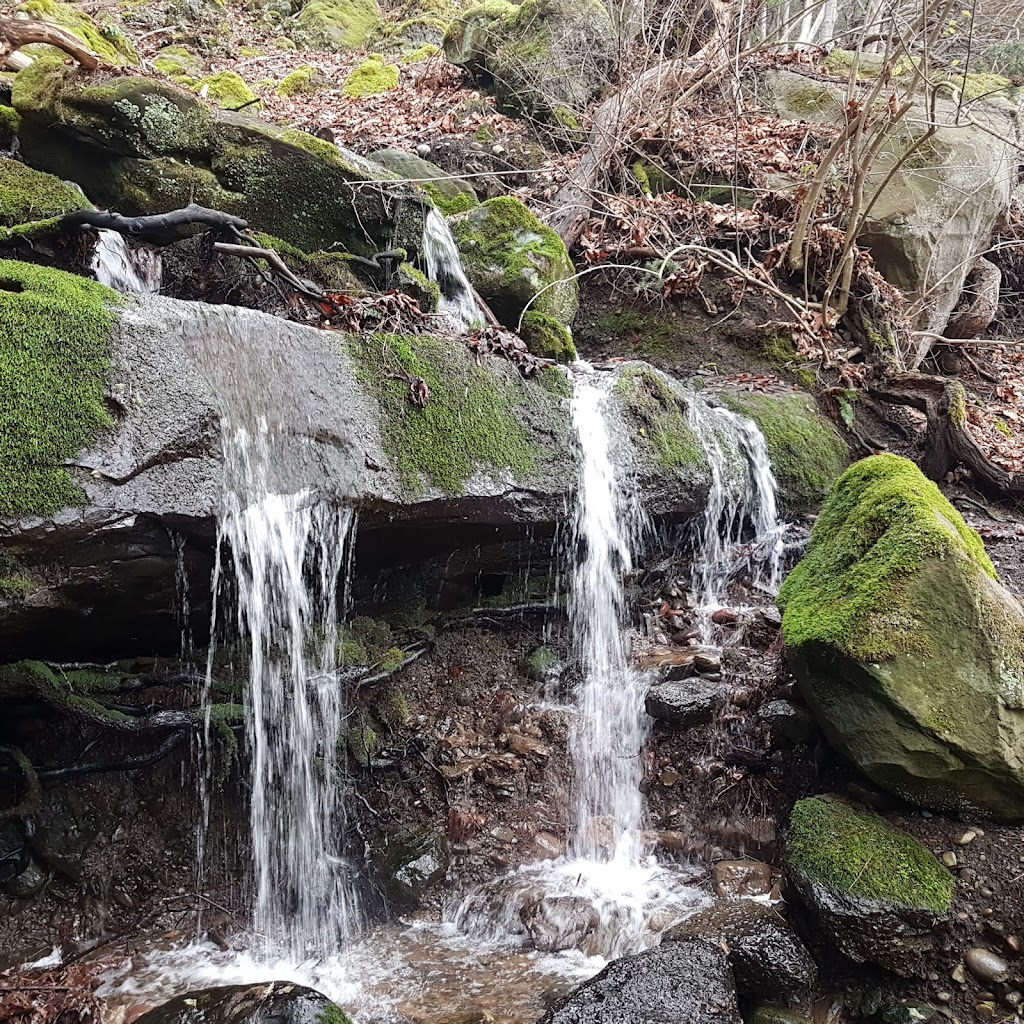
[[179, 64], [511, 259], [227, 89], [106, 39], [548, 338], [449, 194], [10, 122], [806, 451], [544, 58], [335, 25], [54, 336], [907, 647], [28, 196], [875, 893], [371, 78], [303, 81], [142, 147]]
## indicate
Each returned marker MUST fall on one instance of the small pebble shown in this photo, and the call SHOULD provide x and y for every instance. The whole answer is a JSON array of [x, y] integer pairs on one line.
[[967, 874], [949, 859], [968, 837], [986, 965], [985, 1009], [1013, 941], [1013, 998], [985, 891], [959, 975], [943, 997]]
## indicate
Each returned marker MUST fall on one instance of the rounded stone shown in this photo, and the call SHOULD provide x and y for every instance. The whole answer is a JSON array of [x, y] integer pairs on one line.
[[986, 965]]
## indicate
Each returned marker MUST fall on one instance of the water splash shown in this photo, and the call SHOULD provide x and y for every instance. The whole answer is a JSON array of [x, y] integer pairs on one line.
[[444, 267], [611, 724], [131, 271]]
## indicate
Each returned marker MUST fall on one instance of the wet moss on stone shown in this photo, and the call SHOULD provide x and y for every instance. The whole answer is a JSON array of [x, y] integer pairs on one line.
[[468, 425], [27, 195], [547, 337], [881, 522], [659, 417], [806, 451], [857, 853], [54, 337]]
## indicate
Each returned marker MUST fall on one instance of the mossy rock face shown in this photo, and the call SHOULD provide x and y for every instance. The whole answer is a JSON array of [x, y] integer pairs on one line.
[[543, 58], [54, 337], [371, 78], [179, 65], [227, 89], [548, 338], [450, 195], [906, 646], [106, 40], [145, 147], [876, 893], [806, 451], [511, 257], [27, 195], [10, 122], [335, 25]]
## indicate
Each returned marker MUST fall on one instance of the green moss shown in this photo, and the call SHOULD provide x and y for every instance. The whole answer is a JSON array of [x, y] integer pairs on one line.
[[555, 382], [362, 742], [858, 853], [1004, 428], [302, 81], [53, 369], [548, 338], [510, 256], [469, 423], [227, 89], [178, 64], [15, 579], [108, 43], [426, 292], [333, 1014], [366, 641], [337, 25], [28, 195], [806, 451], [370, 78], [449, 205], [424, 52], [882, 520], [660, 417], [391, 707], [648, 333], [539, 664], [10, 123], [779, 348]]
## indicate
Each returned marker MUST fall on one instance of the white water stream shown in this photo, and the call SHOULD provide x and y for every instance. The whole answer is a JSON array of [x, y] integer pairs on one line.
[[132, 271], [444, 267]]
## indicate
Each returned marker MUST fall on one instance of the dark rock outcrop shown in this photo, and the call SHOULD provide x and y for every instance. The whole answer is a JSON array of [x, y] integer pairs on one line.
[[277, 1002], [685, 982]]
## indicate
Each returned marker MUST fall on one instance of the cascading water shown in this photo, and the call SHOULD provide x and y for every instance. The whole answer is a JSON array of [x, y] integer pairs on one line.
[[743, 490], [132, 271], [444, 267], [611, 724]]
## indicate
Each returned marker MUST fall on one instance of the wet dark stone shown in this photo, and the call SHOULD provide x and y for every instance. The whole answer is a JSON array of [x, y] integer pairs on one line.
[[560, 922], [685, 703], [789, 723], [275, 1002], [767, 958], [685, 982]]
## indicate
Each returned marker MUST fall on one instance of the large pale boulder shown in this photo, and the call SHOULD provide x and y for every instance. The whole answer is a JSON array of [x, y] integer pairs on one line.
[[937, 212], [907, 647], [542, 58]]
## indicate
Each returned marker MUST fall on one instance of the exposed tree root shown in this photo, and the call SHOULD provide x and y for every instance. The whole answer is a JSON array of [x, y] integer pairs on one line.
[[948, 439], [158, 228], [19, 32]]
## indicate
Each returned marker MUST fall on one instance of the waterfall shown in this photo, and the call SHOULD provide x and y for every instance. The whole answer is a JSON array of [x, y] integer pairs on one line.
[[132, 271], [611, 724], [743, 490], [444, 267]]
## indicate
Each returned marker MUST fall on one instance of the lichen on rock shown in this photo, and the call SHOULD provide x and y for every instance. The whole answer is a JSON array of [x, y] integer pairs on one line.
[[514, 260], [54, 334]]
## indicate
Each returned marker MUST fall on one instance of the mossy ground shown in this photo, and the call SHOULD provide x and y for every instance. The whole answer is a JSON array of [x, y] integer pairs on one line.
[[468, 425], [54, 335], [806, 452], [857, 853], [303, 81], [659, 417], [371, 78], [882, 520]]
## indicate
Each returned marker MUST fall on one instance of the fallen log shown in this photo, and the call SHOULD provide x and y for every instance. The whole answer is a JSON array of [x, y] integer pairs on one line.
[[19, 32], [157, 228]]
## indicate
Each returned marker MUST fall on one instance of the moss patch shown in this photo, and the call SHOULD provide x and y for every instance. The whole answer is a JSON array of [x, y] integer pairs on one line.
[[178, 64], [857, 853], [370, 78], [302, 81], [10, 122], [511, 258], [28, 195], [53, 367], [548, 338], [227, 89], [336, 25], [806, 451], [107, 41], [882, 520], [469, 424], [660, 417]]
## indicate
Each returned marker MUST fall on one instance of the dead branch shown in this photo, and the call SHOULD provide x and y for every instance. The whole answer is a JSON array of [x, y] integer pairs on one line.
[[19, 32], [158, 228]]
